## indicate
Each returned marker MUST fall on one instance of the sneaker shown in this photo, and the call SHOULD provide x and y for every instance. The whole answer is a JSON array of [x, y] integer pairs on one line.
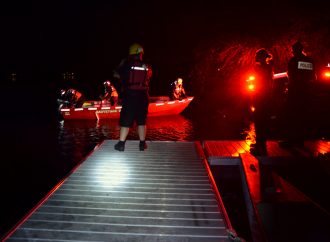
[[143, 145], [120, 146]]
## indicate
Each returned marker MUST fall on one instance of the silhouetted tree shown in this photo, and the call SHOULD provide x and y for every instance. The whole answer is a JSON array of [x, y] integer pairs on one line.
[[221, 67]]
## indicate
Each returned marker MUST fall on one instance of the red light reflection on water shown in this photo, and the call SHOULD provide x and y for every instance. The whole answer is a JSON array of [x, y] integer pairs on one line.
[[78, 137], [173, 127], [250, 133], [320, 147]]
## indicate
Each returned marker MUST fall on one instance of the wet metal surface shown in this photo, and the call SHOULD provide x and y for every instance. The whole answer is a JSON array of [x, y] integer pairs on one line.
[[160, 194], [276, 209]]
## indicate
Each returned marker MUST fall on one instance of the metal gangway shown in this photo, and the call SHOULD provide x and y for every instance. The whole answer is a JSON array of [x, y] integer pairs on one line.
[[165, 193]]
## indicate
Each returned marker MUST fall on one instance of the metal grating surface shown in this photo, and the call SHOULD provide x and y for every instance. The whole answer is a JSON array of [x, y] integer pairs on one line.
[[161, 194], [226, 152]]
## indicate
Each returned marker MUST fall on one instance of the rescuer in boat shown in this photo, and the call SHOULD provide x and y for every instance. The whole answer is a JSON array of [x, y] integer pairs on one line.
[[110, 93], [71, 98], [177, 91], [301, 75], [262, 99], [135, 76]]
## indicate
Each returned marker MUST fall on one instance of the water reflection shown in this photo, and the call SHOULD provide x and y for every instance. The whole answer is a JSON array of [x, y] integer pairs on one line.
[[250, 133], [170, 128], [77, 138], [174, 127]]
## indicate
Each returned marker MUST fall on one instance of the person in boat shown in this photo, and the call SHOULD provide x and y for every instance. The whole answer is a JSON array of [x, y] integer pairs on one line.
[[71, 98], [301, 76], [110, 93], [177, 91], [134, 75], [262, 99]]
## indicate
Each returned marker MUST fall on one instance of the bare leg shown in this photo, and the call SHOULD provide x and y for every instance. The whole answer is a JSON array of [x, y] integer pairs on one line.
[[142, 136], [120, 146], [142, 132], [123, 133]]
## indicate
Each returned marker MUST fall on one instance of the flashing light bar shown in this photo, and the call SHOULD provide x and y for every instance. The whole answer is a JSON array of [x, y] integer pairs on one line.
[[280, 75], [251, 87], [251, 78], [327, 74], [139, 68]]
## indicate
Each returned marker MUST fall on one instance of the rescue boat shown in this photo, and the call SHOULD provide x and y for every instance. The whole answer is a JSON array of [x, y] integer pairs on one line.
[[158, 106]]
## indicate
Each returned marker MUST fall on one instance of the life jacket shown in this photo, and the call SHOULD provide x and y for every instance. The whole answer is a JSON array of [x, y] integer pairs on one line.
[[114, 92], [139, 76], [77, 95]]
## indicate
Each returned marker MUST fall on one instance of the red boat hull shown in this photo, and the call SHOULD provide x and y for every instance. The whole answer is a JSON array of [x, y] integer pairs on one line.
[[97, 110]]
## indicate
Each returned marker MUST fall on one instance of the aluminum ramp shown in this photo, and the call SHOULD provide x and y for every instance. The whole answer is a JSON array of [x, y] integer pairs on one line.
[[165, 193], [276, 209]]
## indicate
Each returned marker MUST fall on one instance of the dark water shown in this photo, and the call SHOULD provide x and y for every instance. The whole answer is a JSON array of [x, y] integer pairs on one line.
[[38, 151]]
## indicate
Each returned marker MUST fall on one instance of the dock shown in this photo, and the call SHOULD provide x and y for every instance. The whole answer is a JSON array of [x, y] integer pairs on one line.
[[165, 193], [168, 193], [276, 209]]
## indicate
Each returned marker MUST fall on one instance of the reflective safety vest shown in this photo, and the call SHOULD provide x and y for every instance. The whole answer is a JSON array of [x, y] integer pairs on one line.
[[114, 92], [139, 76]]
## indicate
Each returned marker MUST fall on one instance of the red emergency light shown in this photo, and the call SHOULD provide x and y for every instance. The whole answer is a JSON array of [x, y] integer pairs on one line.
[[250, 83]]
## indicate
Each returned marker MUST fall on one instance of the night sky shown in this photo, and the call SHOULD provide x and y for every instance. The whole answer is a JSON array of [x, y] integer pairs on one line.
[[41, 40]]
